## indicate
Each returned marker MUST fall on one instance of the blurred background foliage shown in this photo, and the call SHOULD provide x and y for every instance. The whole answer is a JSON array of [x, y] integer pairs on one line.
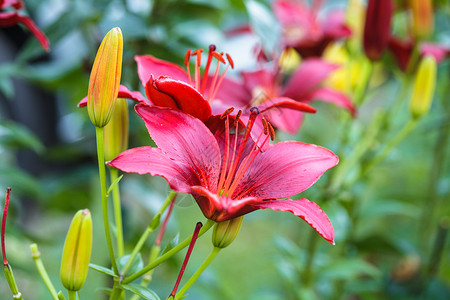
[[388, 224]]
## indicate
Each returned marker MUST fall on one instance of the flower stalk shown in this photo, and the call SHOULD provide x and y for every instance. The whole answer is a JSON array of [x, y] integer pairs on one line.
[[36, 255], [102, 175], [197, 273], [168, 254]]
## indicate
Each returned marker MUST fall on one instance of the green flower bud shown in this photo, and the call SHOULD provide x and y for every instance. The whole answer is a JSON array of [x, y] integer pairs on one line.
[[77, 251], [116, 131], [105, 78], [225, 232], [423, 88]]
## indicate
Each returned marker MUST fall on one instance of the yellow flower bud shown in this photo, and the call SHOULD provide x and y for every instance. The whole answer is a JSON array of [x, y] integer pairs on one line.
[[423, 88], [105, 78], [423, 18], [77, 251], [116, 131], [225, 232]]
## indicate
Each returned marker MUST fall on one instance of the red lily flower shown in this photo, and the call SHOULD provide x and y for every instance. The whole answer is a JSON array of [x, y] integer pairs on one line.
[[304, 32], [283, 103], [402, 50], [11, 18], [168, 85], [225, 171]]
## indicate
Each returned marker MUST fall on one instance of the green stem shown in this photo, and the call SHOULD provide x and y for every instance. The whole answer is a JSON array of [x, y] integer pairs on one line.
[[116, 291], [102, 174], [168, 254], [197, 273], [72, 295], [311, 253], [114, 174], [358, 151], [151, 227], [36, 255], [389, 146], [154, 252], [12, 282]]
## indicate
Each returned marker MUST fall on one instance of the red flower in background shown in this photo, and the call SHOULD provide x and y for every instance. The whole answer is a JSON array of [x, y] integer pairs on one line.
[[225, 171], [13, 17], [377, 28], [304, 31], [283, 102]]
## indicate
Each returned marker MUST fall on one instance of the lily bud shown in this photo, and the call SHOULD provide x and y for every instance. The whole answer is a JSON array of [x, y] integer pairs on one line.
[[423, 88], [77, 251], [105, 78], [225, 232], [377, 27], [423, 19], [116, 131]]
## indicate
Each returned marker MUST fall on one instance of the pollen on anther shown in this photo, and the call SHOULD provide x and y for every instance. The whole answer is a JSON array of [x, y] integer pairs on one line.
[[219, 57], [271, 131], [227, 112], [266, 127], [212, 47], [187, 57], [230, 60]]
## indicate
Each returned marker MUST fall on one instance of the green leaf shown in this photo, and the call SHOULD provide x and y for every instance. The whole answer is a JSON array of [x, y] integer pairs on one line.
[[136, 265], [113, 184], [264, 24], [141, 291], [102, 270], [14, 135], [349, 269], [172, 244]]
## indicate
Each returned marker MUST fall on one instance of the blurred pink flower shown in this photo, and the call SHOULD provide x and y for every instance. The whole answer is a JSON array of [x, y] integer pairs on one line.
[[304, 31], [13, 17], [283, 102], [225, 171]]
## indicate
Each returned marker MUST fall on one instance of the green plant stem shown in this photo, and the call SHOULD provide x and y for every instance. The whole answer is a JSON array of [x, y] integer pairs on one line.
[[116, 291], [114, 174], [12, 282], [197, 273], [311, 253], [102, 174], [61, 296], [36, 255], [168, 254], [147, 278], [401, 135], [151, 227], [72, 295]]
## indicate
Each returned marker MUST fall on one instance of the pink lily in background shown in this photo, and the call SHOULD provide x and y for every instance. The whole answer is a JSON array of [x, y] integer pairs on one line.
[[225, 171], [283, 102], [13, 17], [402, 50], [304, 31]]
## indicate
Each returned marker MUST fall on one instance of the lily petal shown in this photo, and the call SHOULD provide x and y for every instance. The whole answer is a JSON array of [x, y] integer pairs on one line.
[[284, 102], [184, 138], [124, 92], [186, 98], [12, 18], [308, 211], [221, 208], [149, 160], [285, 169], [307, 77], [148, 65], [337, 98]]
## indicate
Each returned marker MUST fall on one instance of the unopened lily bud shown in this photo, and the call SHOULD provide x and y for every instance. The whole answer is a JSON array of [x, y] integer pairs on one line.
[[423, 17], [423, 88], [77, 251], [377, 27], [225, 232], [105, 78], [116, 131]]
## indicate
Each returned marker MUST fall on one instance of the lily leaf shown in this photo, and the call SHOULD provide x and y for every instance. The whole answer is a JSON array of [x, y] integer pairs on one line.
[[141, 291], [136, 265], [103, 270], [172, 244]]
